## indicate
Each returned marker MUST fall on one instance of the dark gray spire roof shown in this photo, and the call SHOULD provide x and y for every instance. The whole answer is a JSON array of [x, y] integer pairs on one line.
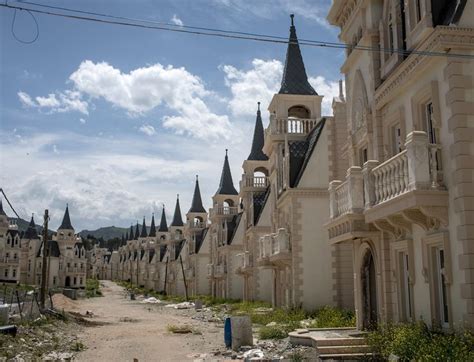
[[226, 185], [152, 227], [256, 154], [177, 219], [143, 234], [1, 209], [130, 235], [126, 238], [137, 232], [66, 224], [295, 80], [163, 223], [196, 205], [31, 232]]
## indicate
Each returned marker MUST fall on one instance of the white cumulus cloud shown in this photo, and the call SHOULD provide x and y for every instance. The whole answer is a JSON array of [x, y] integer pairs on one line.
[[262, 81], [259, 83], [147, 129], [177, 21], [82, 120], [66, 101]]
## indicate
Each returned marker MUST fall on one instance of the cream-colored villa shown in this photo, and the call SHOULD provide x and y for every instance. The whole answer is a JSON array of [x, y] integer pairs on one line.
[[21, 255], [370, 209]]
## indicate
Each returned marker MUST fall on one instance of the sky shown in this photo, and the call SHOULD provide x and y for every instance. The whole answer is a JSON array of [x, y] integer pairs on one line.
[[116, 121]]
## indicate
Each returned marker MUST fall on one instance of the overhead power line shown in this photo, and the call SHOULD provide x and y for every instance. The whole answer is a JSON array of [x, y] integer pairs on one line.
[[90, 16]]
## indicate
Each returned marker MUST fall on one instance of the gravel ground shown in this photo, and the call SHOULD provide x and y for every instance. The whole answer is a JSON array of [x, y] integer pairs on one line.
[[123, 330]]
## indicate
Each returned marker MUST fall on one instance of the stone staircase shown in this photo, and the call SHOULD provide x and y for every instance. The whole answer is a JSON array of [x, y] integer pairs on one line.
[[341, 344]]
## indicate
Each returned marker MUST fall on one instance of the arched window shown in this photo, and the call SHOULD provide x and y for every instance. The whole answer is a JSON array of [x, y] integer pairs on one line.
[[299, 112]]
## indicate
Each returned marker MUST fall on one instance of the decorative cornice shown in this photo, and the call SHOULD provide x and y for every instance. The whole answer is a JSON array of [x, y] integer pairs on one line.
[[441, 37]]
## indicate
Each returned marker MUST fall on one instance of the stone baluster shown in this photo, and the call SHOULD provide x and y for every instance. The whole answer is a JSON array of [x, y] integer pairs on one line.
[[418, 160], [434, 166], [333, 207]]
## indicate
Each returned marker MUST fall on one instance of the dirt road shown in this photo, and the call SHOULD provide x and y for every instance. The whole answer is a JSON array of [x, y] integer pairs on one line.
[[133, 330]]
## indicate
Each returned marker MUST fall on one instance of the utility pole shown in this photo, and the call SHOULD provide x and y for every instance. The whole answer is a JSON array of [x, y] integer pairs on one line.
[[184, 278], [45, 260]]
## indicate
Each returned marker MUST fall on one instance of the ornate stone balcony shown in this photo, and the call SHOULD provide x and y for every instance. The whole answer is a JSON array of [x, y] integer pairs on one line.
[[264, 251], [280, 247], [253, 183], [274, 248], [405, 189], [220, 271], [10, 260], [246, 263], [210, 270], [223, 211], [196, 224]]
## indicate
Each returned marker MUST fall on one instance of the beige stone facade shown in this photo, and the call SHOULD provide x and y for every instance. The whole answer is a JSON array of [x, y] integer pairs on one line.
[[403, 213]]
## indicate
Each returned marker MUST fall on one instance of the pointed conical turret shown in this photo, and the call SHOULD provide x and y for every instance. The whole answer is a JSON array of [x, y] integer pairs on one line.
[[177, 219], [196, 205], [130, 235], [295, 80], [126, 238], [66, 224], [2, 213], [163, 223], [152, 226], [226, 185], [256, 154], [31, 232], [144, 233], [137, 232]]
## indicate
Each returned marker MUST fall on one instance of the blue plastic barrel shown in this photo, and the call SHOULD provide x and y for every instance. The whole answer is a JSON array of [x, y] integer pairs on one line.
[[227, 333]]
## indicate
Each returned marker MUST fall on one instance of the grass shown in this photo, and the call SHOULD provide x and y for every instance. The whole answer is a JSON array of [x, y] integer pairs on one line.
[[183, 329], [418, 342], [93, 288]]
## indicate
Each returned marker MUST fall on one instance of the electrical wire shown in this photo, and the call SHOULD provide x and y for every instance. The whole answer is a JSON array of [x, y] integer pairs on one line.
[[155, 25], [13, 28], [9, 203]]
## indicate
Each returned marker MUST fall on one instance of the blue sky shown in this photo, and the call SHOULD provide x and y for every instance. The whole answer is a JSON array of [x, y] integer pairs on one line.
[[116, 120]]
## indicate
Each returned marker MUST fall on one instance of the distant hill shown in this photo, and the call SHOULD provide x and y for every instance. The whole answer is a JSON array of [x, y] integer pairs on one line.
[[107, 233], [23, 225]]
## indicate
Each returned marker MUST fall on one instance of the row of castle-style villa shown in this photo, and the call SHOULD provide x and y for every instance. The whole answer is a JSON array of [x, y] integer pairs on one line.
[[371, 209]]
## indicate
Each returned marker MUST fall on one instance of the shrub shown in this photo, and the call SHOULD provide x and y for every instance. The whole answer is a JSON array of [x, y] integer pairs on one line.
[[273, 332], [330, 317], [415, 341], [93, 288]]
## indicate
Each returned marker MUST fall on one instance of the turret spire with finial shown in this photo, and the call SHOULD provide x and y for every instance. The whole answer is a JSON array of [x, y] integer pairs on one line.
[[295, 80], [226, 185], [177, 219], [152, 232], [163, 223], [256, 153], [196, 204]]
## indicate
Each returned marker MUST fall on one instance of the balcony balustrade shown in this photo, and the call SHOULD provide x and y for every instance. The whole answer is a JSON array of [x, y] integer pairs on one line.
[[296, 126], [411, 182], [9, 260], [196, 224], [280, 242], [253, 182], [210, 270], [221, 210]]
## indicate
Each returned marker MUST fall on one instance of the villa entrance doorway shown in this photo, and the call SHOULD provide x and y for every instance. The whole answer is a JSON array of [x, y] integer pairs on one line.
[[369, 292]]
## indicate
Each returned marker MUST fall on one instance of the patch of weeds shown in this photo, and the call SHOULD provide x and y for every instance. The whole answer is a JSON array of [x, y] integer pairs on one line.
[[272, 332], [93, 288], [297, 356], [78, 346], [415, 341], [330, 317], [183, 329]]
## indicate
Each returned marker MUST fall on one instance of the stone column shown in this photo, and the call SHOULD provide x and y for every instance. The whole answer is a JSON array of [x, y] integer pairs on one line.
[[418, 160], [333, 213], [355, 182], [369, 183]]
